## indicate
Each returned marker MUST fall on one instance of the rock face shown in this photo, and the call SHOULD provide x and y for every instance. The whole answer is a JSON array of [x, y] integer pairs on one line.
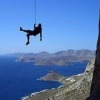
[[74, 88], [61, 58], [95, 87]]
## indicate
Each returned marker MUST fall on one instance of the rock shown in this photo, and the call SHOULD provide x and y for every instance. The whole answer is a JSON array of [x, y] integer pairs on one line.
[[95, 86], [52, 76]]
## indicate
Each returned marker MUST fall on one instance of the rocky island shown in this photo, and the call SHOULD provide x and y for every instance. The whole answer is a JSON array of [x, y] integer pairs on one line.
[[52, 76]]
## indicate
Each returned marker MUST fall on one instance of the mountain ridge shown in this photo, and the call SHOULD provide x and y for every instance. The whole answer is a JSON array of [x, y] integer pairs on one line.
[[61, 58]]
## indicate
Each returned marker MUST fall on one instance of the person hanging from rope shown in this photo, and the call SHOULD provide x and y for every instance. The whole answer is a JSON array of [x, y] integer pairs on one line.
[[37, 30]]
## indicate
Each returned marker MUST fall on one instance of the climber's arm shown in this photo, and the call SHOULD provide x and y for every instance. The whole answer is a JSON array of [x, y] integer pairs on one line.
[[34, 25], [41, 35]]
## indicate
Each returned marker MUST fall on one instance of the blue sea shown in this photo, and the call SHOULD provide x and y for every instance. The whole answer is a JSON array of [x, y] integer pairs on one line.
[[18, 79]]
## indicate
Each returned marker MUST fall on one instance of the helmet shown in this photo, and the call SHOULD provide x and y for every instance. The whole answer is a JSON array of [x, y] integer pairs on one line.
[[39, 25]]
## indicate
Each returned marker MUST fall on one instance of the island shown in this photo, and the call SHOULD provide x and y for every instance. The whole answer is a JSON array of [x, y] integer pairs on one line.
[[60, 58], [52, 76]]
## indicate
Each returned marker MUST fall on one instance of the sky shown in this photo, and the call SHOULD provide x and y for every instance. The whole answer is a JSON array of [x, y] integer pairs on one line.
[[66, 24]]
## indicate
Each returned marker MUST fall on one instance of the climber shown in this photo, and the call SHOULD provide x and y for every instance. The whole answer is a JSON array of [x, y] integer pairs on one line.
[[34, 32]]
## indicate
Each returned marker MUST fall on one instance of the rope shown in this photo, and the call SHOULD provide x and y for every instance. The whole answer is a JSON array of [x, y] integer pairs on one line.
[[35, 11]]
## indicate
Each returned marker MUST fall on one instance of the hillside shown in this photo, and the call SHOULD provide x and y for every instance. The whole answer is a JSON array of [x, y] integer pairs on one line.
[[61, 58], [76, 87]]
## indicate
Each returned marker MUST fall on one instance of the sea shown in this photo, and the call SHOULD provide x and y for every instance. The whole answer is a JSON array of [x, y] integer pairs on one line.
[[19, 79]]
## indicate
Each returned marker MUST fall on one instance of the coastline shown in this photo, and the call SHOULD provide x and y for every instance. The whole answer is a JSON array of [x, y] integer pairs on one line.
[[66, 81]]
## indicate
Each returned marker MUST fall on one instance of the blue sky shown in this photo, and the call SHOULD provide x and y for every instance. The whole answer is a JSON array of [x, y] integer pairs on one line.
[[67, 24]]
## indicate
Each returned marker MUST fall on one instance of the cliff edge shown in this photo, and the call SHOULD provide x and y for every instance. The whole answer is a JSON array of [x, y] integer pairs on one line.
[[95, 86], [76, 87]]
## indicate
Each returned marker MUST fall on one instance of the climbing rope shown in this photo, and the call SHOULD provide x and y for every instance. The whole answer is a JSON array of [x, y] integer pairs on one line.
[[35, 12]]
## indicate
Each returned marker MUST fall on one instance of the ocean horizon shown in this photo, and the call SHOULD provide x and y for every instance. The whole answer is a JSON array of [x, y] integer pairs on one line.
[[19, 79]]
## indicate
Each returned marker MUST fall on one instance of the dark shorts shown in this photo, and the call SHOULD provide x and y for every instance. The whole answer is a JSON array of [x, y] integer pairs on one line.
[[34, 33]]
